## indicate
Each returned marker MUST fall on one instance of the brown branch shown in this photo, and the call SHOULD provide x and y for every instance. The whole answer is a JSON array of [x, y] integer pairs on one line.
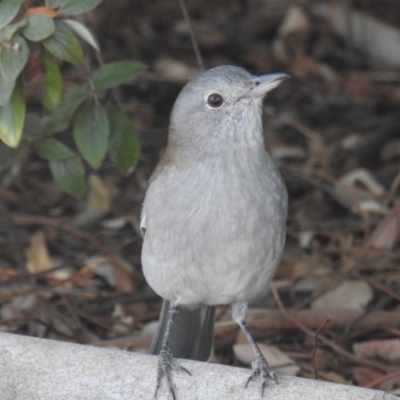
[[195, 45], [380, 287], [273, 320], [25, 219], [323, 339], [336, 193], [315, 348], [384, 378]]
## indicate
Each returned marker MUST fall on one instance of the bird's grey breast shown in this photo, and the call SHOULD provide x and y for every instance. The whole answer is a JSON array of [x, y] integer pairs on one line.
[[217, 227]]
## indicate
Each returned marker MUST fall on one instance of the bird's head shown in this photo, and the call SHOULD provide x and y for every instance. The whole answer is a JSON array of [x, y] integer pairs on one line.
[[219, 105]]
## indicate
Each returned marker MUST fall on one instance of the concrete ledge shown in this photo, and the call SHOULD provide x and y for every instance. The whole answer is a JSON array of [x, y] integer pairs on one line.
[[40, 369]]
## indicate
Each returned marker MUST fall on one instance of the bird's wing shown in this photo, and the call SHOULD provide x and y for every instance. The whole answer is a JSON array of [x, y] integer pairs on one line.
[[157, 171], [142, 222]]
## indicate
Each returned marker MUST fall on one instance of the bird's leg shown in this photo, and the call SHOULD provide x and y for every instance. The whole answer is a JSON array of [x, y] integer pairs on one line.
[[166, 362], [259, 365]]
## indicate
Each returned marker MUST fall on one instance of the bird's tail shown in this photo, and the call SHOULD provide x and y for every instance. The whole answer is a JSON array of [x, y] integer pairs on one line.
[[191, 334]]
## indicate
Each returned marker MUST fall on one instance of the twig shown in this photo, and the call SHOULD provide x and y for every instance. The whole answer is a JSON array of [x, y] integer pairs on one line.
[[384, 378], [323, 339], [315, 347], [75, 317], [336, 193], [304, 130], [274, 320], [349, 223], [192, 34], [25, 219], [28, 319], [392, 191], [379, 286], [393, 331], [325, 376]]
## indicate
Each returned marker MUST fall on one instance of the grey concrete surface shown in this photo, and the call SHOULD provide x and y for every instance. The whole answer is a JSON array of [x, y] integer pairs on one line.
[[41, 369]]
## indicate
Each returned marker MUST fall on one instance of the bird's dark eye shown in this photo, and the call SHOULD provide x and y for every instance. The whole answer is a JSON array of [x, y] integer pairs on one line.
[[215, 100]]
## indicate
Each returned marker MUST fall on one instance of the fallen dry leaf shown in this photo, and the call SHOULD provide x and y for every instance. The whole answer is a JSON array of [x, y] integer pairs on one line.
[[174, 68], [350, 295], [123, 274], [38, 258], [98, 203], [302, 65], [295, 21], [20, 305], [371, 35], [335, 377], [363, 376], [123, 323], [387, 232], [388, 350], [390, 150], [102, 267], [277, 360], [364, 177], [295, 266], [100, 195], [365, 190]]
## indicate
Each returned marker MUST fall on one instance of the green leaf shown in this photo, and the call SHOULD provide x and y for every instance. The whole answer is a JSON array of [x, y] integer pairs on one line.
[[52, 83], [91, 131], [113, 74], [64, 44], [40, 26], [8, 10], [33, 127], [124, 147], [9, 31], [54, 3], [6, 89], [12, 117], [53, 150], [74, 7], [70, 175], [82, 32], [8, 155], [62, 116], [65, 166], [13, 58]]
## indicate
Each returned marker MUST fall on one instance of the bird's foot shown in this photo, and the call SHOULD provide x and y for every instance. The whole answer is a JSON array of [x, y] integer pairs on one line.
[[167, 363], [260, 368]]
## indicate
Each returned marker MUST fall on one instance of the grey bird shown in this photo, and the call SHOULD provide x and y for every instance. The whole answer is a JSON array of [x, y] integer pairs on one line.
[[214, 214]]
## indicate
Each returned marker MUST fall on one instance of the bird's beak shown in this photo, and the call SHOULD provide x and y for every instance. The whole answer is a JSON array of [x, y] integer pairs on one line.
[[265, 83]]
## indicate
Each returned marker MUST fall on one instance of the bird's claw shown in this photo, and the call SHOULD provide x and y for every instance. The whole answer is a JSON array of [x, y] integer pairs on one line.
[[261, 368], [166, 363]]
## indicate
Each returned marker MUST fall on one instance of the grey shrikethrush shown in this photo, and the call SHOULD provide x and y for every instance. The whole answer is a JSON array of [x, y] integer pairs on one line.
[[213, 218]]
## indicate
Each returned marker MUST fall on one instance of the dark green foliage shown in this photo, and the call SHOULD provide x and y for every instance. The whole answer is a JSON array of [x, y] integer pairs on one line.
[[48, 32]]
